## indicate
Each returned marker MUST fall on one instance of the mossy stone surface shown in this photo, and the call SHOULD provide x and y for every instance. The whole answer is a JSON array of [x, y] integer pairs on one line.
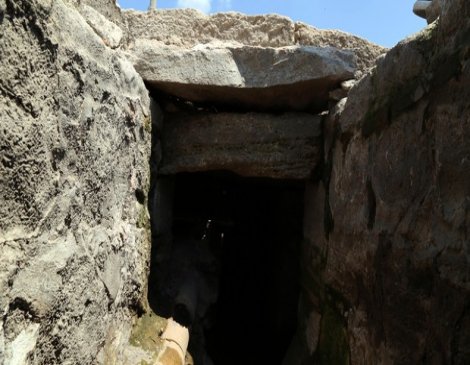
[[146, 332]]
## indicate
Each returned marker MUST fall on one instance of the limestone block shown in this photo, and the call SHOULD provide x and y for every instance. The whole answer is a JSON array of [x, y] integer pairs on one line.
[[246, 77], [187, 28], [253, 144]]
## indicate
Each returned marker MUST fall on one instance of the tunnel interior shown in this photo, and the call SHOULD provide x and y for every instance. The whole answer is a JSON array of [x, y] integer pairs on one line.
[[232, 273]]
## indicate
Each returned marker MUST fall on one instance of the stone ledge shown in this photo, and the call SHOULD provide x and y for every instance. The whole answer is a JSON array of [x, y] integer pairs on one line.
[[245, 77]]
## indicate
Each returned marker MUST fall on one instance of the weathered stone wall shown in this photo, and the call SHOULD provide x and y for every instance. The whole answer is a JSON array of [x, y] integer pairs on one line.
[[74, 151], [385, 261], [387, 269]]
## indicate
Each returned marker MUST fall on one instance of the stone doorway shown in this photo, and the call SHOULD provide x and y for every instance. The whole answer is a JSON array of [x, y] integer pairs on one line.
[[236, 240]]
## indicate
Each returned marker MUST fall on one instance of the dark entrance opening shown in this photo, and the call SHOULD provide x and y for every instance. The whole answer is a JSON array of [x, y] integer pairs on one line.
[[238, 239]]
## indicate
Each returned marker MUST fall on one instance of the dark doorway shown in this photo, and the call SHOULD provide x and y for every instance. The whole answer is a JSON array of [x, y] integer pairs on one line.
[[252, 229]]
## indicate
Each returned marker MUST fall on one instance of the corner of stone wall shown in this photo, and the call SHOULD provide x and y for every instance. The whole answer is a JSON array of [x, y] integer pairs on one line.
[[382, 209]]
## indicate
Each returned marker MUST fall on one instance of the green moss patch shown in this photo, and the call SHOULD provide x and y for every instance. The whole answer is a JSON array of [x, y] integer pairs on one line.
[[333, 346], [146, 332], [148, 125]]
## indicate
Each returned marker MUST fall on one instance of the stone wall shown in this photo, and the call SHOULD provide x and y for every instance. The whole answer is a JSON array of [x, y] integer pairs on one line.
[[386, 276], [74, 151], [385, 259]]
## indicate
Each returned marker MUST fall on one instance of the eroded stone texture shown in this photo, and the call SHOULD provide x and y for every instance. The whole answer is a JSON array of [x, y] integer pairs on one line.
[[389, 270], [187, 28], [385, 262], [108, 8], [261, 145], [244, 77], [109, 32], [74, 150], [365, 51]]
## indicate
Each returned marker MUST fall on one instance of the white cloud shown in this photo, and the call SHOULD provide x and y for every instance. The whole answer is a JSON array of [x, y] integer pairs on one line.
[[203, 5]]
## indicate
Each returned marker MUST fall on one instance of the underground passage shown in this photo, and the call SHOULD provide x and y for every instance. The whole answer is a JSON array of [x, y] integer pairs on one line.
[[229, 268]]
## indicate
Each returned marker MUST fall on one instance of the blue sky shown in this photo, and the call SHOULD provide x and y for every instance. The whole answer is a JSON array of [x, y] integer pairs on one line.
[[385, 22]]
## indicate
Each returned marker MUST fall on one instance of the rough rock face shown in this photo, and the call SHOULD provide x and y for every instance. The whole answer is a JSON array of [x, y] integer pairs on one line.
[[287, 146], [365, 52], [387, 275], [385, 261], [74, 150], [261, 63], [188, 28], [432, 12], [107, 8], [109, 32], [245, 77]]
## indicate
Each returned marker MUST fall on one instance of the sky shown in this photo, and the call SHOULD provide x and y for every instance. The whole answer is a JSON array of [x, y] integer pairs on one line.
[[384, 22]]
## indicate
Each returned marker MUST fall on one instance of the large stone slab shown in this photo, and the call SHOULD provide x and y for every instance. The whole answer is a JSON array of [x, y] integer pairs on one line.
[[262, 62], [187, 28], [247, 77], [259, 145]]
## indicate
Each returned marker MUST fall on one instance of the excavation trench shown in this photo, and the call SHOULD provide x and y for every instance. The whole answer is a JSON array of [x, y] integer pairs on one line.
[[226, 263]]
